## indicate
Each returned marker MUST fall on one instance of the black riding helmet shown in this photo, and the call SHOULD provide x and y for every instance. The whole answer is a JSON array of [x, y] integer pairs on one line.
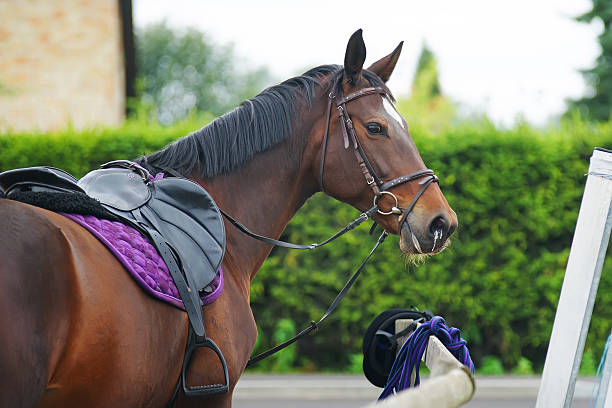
[[379, 345]]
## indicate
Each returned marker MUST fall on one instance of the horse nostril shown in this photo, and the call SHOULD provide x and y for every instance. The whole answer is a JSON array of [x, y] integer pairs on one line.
[[439, 226]]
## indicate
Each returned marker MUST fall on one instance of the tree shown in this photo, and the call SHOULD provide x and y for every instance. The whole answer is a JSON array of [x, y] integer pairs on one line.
[[427, 107], [598, 105], [426, 77], [183, 70]]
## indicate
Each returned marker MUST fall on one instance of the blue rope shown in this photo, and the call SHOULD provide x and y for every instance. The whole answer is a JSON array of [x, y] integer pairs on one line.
[[411, 353], [597, 384]]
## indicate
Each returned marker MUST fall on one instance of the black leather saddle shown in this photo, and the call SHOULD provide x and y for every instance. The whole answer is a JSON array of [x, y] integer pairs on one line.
[[181, 218], [178, 216]]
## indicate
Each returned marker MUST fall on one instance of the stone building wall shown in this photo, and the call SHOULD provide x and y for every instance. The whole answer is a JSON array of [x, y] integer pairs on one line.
[[61, 62]]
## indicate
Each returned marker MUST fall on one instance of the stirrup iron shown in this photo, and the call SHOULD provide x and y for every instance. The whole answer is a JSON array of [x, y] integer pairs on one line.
[[201, 390]]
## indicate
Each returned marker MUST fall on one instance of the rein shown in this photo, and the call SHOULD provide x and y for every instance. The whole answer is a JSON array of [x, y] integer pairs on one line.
[[315, 325], [379, 188]]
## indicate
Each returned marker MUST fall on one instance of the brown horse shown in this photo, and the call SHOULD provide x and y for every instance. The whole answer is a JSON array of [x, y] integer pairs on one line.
[[76, 330]]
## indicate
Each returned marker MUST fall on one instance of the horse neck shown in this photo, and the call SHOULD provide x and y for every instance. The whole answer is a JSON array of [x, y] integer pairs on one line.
[[264, 194]]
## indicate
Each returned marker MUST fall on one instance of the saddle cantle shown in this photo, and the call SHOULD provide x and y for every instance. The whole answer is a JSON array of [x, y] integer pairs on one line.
[[40, 178]]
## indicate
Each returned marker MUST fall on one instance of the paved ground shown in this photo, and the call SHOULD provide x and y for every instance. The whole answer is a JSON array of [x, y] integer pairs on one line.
[[344, 391]]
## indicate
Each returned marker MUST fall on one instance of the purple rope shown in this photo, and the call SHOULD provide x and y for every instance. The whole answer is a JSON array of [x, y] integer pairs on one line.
[[411, 353]]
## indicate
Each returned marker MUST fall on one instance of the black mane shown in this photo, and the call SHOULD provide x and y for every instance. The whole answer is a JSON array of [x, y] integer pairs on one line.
[[255, 126]]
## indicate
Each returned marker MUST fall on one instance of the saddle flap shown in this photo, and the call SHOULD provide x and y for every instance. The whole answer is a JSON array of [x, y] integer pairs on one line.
[[189, 219], [119, 188], [180, 210], [41, 177]]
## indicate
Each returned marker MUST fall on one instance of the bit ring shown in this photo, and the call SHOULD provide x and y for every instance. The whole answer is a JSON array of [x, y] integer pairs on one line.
[[394, 210]]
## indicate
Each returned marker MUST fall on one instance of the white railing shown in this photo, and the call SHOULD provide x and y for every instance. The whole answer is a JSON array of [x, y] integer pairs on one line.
[[579, 289]]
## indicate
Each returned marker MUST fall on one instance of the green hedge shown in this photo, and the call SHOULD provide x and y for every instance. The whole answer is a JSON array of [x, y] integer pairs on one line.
[[516, 192], [81, 151]]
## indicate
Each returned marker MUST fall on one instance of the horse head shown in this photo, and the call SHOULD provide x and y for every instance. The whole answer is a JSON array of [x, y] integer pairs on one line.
[[366, 156]]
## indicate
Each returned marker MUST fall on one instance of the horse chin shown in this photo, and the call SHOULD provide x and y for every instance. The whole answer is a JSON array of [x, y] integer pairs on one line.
[[410, 255], [414, 251]]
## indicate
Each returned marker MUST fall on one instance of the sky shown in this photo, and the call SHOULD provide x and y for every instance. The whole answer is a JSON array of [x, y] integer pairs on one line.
[[508, 59]]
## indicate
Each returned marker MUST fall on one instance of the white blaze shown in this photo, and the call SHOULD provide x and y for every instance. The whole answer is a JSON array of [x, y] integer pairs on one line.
[[392, 111]]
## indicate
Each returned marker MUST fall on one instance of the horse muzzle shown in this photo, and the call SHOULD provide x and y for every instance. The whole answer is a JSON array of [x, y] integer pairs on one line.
[[426, 238]]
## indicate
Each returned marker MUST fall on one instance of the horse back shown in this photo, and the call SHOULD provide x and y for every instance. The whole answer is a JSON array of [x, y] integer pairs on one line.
[[76, 328], [34, 305]]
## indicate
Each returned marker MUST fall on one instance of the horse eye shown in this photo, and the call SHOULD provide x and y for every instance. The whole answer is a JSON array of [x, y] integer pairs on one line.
[[375, 129]]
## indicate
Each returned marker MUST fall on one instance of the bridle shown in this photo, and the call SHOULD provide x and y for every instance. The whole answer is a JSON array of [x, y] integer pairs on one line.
[[378, 186]]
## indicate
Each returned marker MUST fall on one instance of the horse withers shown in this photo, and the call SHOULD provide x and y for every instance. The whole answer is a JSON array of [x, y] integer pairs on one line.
[[76, 330]]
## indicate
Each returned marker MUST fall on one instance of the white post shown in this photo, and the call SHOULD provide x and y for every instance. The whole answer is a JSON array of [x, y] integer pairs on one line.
[[579, 286]]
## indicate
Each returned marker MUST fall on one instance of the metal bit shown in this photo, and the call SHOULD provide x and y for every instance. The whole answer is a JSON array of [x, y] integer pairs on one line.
[[437, 235], [416, 243]]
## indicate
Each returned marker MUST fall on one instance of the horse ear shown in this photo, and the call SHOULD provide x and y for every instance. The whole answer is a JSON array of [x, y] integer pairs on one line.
[[354, 57], [384, 66]]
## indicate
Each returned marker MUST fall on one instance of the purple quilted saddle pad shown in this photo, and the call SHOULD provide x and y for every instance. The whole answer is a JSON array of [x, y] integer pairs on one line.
[[141, 259]]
